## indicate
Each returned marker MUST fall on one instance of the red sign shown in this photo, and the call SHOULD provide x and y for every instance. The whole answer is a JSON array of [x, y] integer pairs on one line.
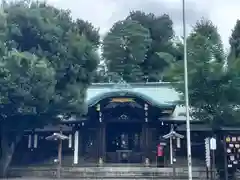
[[159, 150]]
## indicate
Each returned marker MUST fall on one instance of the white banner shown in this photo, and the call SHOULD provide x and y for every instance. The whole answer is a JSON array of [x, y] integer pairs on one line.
[[207, 152]]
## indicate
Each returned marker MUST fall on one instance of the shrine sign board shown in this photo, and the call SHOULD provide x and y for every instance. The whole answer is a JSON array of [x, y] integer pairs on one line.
[[233, 150]]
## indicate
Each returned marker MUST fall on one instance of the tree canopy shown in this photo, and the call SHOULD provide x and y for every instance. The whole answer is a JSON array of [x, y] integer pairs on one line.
[[44, 43], [46, 64], [212, 83], [147, 39], [48, 60], [212, 73], [234, 41], [124, 49]]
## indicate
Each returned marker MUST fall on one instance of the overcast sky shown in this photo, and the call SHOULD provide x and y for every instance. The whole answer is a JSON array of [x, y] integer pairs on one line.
[[103, 13]]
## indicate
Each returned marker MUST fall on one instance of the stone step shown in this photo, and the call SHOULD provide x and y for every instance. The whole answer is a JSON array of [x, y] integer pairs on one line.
[[97, 178], [107, 173], [68, 161]]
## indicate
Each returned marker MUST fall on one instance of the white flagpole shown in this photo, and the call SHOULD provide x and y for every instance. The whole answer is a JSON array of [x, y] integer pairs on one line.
[[186, 95]]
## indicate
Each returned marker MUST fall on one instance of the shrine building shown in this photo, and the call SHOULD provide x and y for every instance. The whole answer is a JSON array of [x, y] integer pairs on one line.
[[125, 123]]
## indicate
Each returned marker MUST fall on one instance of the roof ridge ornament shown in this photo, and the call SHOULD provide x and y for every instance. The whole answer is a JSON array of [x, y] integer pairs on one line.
[[122, 84]]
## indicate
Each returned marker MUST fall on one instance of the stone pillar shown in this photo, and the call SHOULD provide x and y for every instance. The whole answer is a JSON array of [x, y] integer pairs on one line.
[[145, 141], [147, 137], [102, 141], [76, 141], [98, 142], [80, 142], [70, 141], [143, 148], [35, 141], [29, 141]]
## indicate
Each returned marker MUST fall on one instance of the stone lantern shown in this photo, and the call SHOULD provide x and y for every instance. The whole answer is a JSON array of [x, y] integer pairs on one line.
[[173, 135], [58, 137]]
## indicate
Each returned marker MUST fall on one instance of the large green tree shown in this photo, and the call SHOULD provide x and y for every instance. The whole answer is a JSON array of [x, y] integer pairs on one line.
[[159, 50], [124, 49], [213, 84], [235, 41], [162, 50], [46, 64]]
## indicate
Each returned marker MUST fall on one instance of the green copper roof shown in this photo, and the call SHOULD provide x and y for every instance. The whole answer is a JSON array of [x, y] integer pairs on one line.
[[131, 92], [160, 94], [156, 93]]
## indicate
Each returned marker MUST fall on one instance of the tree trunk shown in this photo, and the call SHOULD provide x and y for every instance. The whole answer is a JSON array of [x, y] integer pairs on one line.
[[7, 153]]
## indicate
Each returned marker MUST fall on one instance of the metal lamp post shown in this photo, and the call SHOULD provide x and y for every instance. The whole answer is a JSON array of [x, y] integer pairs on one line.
[[189, 154], [58, 137]]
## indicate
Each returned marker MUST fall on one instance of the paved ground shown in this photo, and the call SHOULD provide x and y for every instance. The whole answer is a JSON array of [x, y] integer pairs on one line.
[[83, 179]]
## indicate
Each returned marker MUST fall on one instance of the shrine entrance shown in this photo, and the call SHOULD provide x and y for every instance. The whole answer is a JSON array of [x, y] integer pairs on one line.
[[126, 123], [123, 142]]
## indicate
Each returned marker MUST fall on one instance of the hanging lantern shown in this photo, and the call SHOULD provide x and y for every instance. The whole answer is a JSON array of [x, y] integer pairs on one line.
[[146, 119], [100, 117], [145, 107], [146, 112], [98, 108]]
